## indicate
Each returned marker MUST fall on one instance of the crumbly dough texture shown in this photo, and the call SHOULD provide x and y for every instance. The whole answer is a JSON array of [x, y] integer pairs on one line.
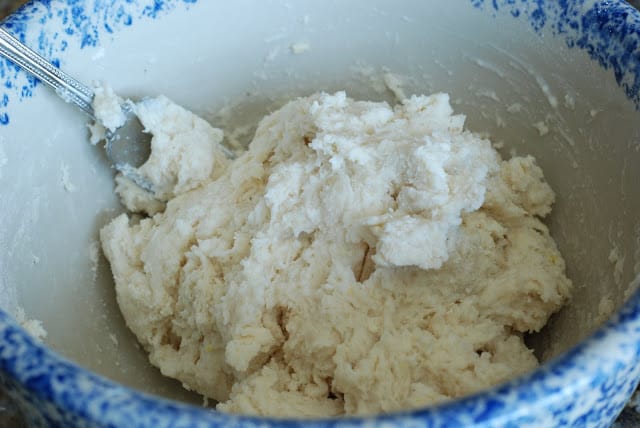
[[356, 259]]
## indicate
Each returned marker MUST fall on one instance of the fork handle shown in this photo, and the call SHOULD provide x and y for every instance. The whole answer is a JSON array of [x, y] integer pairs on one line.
[[68, 88]]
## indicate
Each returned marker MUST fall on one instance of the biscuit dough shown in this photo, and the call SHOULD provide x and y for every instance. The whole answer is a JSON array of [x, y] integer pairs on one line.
[[357, 259]]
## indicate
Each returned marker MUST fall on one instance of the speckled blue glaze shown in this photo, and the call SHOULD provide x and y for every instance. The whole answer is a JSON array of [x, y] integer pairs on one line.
[[609, 31], [82, 23], [55, 392]]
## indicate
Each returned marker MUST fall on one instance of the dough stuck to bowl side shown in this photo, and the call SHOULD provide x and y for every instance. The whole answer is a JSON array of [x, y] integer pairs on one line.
[[357, 259]]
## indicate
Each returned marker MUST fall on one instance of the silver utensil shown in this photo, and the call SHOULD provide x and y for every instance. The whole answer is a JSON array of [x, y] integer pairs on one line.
[[127, 147]]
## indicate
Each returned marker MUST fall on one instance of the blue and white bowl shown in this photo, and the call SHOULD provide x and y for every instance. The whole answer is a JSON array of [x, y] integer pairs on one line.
[[556, 79]]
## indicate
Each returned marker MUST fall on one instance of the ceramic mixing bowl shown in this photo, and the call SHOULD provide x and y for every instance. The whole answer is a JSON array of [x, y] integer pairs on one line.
[[559, 80]]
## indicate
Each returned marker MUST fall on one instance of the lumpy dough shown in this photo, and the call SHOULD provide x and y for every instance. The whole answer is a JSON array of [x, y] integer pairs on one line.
[[357, 259]]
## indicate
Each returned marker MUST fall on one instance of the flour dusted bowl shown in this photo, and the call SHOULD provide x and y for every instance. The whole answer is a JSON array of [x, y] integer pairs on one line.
[[554, 80]]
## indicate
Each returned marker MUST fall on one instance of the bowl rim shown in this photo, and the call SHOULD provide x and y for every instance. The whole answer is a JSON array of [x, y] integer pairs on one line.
[[142, 409]]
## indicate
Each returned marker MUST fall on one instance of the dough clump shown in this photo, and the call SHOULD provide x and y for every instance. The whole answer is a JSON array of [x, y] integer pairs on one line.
[[356, 259]]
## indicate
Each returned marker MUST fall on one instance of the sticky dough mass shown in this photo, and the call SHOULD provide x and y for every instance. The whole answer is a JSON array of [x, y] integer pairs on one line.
[[356, 259]]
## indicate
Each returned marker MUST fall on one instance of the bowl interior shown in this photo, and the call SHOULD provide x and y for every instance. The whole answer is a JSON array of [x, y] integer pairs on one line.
[[232, 62]]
